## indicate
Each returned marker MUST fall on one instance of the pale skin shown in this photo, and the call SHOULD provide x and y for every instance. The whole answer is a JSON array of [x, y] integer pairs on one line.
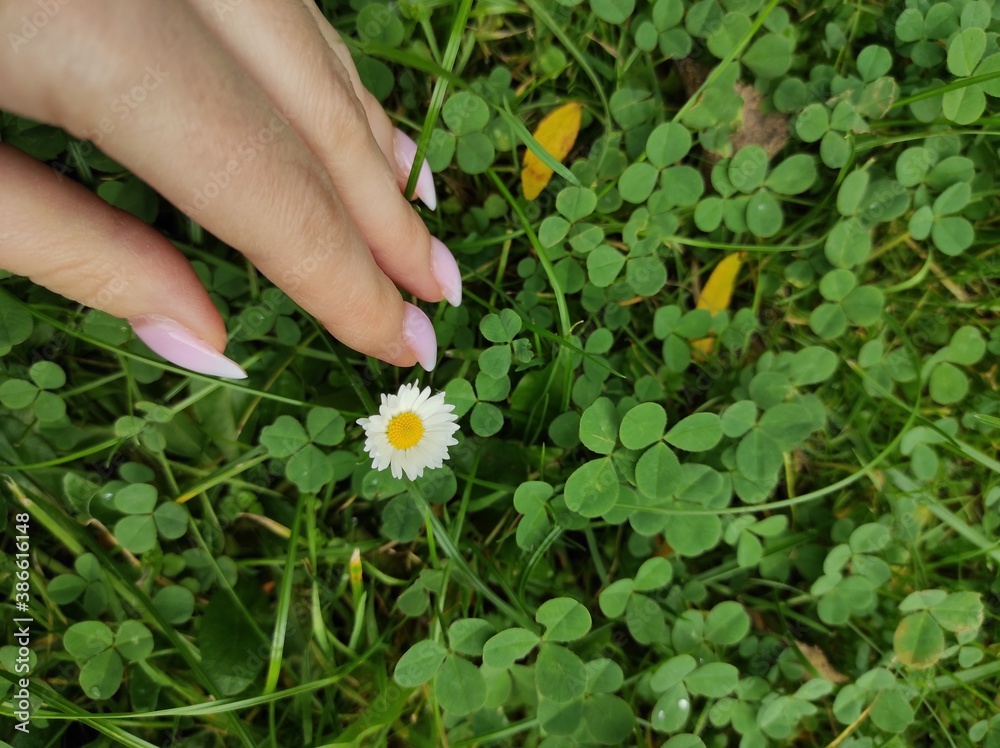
[[248, 116]]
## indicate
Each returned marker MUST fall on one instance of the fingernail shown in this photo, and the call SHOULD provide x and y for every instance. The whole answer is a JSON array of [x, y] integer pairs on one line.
[[418, 333], [445, 271], [180, 346], [406, 153]]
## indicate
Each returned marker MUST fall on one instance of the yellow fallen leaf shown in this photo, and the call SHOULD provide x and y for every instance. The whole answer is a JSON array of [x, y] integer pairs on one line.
[[717, 294], [556, 133], [702, 347], [718, 290]]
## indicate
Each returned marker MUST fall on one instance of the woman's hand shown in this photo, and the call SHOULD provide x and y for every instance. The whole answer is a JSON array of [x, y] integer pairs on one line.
[[251, 118]]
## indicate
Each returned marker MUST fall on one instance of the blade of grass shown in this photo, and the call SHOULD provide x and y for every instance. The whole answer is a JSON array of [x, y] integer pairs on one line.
[[222, 706], [284, 603], [439, 92], [972, 80], [966, 449], [128, 590], [802, 498], [363, 395], [160, 364], [990, 548], [534, 146], [225, 586], [499, 735], [726, 61], [991, 670], [254, 457], [562, 360], [537, 329], [761, 249], [451, 550], [68, 458], [379, 716], [916, 279], [537, 555], [557, 291], [988, 420], [560, 33], [72, 711], [410, 60]]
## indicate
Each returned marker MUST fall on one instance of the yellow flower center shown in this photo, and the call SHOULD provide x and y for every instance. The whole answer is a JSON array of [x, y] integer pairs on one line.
[[405, 430]]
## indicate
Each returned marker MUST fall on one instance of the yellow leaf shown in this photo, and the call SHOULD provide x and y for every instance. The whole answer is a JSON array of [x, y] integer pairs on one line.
[[718, 291], [717, 294], [702, 346], [556, 133]]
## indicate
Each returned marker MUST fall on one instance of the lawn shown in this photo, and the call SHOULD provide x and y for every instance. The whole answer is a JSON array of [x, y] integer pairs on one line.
[[727, 386]]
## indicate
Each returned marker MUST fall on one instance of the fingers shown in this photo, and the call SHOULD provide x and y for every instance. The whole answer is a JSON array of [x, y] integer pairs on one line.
[[398, 147], [72, 242], [282, 48], [149, 84]]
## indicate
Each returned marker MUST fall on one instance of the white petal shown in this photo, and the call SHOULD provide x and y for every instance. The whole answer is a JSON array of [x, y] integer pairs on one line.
[[422, 398], [408, 400]]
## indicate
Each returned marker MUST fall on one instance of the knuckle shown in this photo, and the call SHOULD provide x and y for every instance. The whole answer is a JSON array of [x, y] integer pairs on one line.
[[371, 320], [341, 117], [403, 229], [301, 198]]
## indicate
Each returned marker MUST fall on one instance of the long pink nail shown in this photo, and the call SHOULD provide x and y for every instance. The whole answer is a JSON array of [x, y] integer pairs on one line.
[[406, 152], [445, 271], [418, 333], [180, 346]]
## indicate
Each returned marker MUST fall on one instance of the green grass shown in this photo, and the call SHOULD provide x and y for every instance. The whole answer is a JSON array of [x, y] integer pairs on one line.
[[795, 536]]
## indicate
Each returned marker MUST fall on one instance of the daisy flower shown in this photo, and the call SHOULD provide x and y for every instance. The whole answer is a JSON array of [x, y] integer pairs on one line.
[[412, 431]]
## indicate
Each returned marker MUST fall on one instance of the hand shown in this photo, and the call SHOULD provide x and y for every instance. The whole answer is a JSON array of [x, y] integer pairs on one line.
[[251, 118]]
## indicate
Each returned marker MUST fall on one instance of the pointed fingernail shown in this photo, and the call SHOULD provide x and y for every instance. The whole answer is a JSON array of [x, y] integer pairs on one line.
[[418, 333], [445, 271], [406, 152], [180, 346]]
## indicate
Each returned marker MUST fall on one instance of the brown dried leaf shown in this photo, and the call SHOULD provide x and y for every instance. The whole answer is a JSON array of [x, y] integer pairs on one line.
[[769, 131], [818, 659]]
